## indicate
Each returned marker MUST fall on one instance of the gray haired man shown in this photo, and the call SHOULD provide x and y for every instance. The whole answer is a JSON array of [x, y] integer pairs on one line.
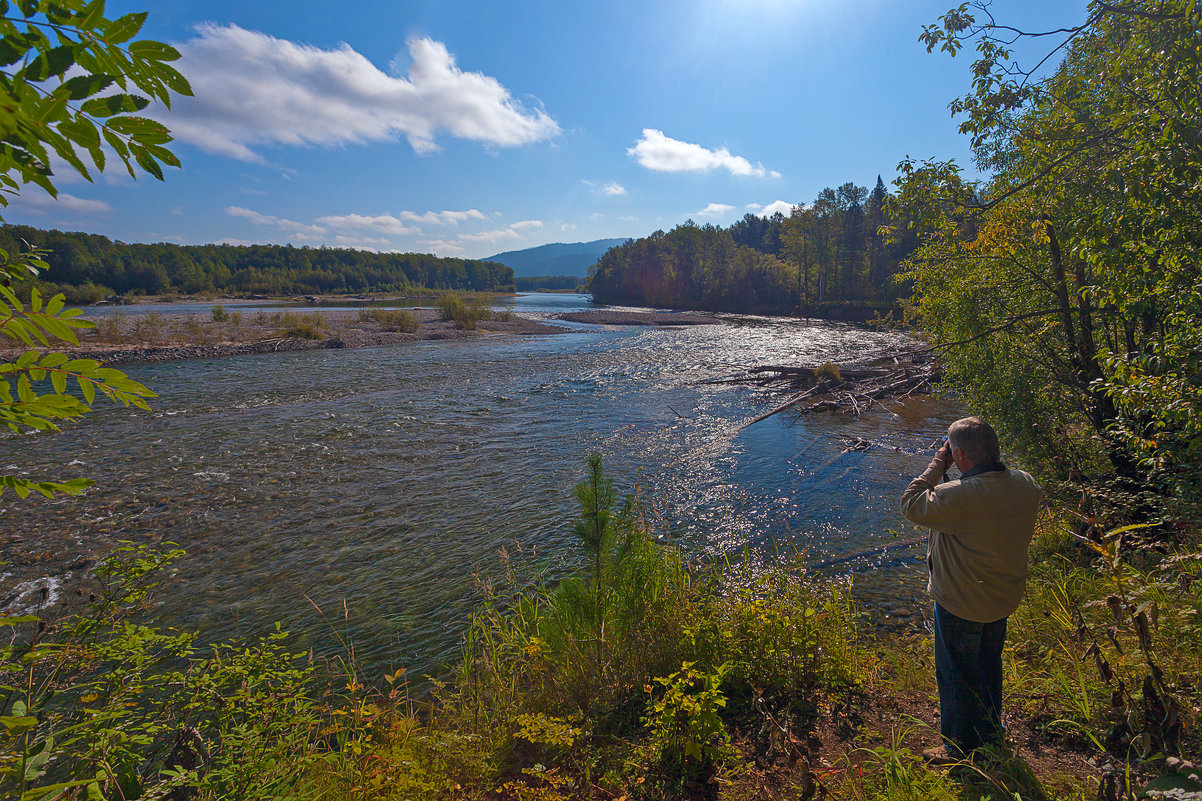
[[981, 526]]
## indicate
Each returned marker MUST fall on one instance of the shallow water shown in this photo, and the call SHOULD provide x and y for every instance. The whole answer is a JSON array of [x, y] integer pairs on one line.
[[395, 480]]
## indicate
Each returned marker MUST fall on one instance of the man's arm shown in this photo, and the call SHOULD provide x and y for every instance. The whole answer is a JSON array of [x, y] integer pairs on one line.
[[920, 503]]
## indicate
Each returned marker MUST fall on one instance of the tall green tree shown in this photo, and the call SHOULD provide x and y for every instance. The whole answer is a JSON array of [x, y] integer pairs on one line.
[[1072, 274]]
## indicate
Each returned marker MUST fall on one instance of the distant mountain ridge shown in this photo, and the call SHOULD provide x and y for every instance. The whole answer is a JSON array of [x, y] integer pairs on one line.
[[559, 258]]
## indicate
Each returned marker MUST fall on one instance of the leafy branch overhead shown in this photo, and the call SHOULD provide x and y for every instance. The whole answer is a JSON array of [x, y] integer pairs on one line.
[[71, 84], [23, 404]]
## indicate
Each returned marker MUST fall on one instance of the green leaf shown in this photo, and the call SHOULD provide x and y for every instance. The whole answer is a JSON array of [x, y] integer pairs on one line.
[[35, 764], [52, 791], [147, 162], [11, 51], [124, 28], [153, 51], [53, 62], [82, 86], [91, 16], [175, 81], [17, 726], [109, 105]]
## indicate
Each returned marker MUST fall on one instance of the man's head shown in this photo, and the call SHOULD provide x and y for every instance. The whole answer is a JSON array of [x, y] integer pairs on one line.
[[973, 442]]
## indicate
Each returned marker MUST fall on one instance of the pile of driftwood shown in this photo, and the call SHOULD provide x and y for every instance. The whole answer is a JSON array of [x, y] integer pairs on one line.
[[852, 389]]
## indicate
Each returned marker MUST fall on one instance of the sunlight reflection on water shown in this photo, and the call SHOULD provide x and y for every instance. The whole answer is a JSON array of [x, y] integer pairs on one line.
[[395, 478]]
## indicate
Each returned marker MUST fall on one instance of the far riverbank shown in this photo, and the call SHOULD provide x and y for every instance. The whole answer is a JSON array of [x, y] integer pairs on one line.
[[125, 337]]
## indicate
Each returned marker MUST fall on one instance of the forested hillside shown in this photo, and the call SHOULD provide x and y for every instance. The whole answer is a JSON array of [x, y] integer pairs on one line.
[[558, 258], [833, 253], [107, 267]]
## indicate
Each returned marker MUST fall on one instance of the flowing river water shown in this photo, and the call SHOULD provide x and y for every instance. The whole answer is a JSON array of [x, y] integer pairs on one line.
[[384, 485]]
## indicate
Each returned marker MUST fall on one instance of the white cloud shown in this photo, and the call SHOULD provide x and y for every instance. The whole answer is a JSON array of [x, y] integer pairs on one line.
[[567, 226], [296, 230], [253, 89], [41, 202], [384, 223], [361, 242], [514, 231], [443, 217], [442, 246], [661, 153], [613, 188], [716, 210], [783, 206]]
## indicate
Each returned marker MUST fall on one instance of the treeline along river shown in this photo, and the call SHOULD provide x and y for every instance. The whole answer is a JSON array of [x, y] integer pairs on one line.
[[395, 480]]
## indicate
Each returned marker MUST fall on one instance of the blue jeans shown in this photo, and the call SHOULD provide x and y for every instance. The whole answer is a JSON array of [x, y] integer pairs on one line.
[[968, 671]]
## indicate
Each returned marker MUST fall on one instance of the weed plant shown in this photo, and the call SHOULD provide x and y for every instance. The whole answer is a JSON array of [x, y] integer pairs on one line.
[[1108, 649], [465, 314], [148, 328], [110, 328], [390, 320], [98, 705], [290, 325]]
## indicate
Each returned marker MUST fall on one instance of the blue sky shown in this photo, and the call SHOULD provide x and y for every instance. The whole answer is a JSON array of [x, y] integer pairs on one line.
[[470, 128]]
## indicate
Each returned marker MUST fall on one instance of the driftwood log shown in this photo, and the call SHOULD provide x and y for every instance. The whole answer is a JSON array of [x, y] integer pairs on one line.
[[844, 389]]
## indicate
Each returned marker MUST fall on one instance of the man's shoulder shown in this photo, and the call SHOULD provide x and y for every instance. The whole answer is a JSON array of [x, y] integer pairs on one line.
[[1012, 480]]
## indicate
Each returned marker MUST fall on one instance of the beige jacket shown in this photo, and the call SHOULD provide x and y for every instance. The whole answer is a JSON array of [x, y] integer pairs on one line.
[[980, 530]]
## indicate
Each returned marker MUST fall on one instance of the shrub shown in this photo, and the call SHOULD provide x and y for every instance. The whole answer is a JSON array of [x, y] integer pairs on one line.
[[299, 326], [110, 328], [197, 332], [220, 315], [450, 306], [687, 733], [115, 709], [828, 372], [149, 327], [84, 293], [465, 314], [395, 320]]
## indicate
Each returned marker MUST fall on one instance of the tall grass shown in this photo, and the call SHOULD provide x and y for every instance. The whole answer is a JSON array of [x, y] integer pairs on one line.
[[465, 313], [391, 319]]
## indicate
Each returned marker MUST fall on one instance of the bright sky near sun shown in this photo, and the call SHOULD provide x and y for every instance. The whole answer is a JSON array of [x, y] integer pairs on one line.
[[470, 128]]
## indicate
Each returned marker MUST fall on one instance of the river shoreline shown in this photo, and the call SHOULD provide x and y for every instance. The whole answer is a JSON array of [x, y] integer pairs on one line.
[[136, 339]]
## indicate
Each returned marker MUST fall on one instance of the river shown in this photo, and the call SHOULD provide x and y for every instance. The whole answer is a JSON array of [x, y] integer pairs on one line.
[[383, 485]]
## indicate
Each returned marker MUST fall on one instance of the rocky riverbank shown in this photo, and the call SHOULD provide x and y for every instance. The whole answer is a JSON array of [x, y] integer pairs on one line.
[[125, 338]]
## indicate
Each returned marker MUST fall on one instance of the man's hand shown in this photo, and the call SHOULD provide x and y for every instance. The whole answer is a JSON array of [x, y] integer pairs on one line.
[[945, 454]]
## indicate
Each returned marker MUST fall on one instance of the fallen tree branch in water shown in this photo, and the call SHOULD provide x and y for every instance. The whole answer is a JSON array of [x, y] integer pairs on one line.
[[839, 389]]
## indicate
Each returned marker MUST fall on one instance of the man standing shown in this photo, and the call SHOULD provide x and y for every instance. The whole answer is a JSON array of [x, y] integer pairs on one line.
[[981, 526]]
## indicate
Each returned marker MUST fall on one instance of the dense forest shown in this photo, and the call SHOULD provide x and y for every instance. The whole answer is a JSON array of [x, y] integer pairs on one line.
[[105, 267], [834, 253]]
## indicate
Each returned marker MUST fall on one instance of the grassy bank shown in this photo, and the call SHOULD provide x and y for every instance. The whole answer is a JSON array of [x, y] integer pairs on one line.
[[122, 336], [641, 679]]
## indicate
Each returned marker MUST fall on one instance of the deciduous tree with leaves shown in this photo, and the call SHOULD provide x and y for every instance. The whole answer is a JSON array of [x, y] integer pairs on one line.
[[1070, 277], [71, 84]]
